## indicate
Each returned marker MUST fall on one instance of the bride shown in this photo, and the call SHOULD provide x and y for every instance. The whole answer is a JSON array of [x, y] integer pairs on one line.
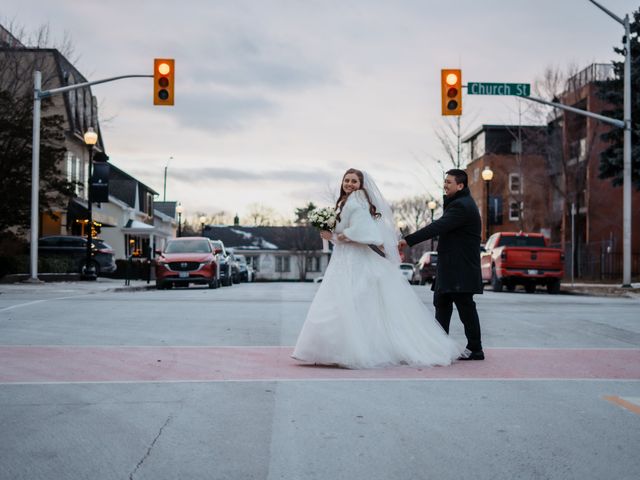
[[365, 314]]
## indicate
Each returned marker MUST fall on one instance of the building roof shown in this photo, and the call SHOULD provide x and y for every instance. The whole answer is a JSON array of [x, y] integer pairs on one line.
[[168, 208], [485, 127], [265, 238]]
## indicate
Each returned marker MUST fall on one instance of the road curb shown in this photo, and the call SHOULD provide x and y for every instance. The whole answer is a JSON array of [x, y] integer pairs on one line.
[[131, 289]]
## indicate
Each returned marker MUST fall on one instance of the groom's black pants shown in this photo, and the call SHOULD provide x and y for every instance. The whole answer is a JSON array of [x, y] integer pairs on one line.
[[466, 310]]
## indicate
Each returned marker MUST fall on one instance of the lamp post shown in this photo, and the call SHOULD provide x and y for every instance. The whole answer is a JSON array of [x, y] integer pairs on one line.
[[487, 176], [89, 273], [179, 209], [431, 204], [202, 220], [164, 195]]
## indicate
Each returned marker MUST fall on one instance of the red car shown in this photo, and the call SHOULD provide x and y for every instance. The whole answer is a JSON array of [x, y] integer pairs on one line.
[[187, 260]]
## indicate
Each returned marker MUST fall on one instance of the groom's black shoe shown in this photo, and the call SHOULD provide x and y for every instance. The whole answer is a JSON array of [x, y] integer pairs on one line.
[[477, 355]]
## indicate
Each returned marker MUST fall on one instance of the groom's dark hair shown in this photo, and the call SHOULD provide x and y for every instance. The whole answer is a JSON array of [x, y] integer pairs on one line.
[[460, 175]]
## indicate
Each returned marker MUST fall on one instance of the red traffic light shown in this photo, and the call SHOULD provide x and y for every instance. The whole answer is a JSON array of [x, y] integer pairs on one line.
[[163, 81], [451, 91]]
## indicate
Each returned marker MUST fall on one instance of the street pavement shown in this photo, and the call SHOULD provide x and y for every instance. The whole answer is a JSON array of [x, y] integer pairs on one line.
[[102, 381]]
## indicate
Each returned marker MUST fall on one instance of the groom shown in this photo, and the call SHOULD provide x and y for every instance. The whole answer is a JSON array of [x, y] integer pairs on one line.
[[458, 275]]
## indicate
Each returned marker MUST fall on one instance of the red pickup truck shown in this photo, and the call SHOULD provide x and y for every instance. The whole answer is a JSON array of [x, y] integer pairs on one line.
[[509, 259]]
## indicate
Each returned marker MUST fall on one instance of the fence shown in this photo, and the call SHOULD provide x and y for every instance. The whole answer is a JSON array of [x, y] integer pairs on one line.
[[597, 261]]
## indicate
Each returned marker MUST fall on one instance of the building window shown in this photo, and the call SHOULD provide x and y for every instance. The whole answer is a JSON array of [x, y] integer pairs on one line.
[[514, 211], [313, 264], [516, 146], [254, 262], [515, 185], [283, 264]]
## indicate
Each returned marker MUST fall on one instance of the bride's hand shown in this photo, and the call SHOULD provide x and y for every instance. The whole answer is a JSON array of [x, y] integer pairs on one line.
[[326, 234], [343, 238]]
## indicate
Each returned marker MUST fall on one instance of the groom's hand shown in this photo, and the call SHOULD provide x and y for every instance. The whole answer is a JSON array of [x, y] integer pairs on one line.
[[327, 235], [403, 244]]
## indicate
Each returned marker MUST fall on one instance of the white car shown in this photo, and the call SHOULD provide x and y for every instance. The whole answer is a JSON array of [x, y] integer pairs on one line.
[[407, 269]]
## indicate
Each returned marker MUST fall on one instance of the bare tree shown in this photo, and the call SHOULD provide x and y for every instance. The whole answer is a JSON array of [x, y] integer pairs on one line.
[[261, 215], [569, 148], [17, 64]]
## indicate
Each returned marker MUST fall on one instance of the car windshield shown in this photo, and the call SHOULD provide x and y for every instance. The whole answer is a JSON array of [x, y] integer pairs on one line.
[[188, 246], [521, 241]]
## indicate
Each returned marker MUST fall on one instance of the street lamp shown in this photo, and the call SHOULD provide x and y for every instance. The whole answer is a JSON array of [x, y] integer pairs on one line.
[[89, 273], [487, 176], [202, 220], [179, 209], [164, 195], [431, 204]]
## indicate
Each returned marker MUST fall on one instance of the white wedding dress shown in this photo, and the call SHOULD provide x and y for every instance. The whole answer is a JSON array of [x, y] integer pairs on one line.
[[365, 314]]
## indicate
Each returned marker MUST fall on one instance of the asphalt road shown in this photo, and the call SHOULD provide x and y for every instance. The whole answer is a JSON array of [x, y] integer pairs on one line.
[[198, 384]]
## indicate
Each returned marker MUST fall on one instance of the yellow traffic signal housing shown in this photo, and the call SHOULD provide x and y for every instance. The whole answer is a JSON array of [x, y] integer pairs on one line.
[[451, 81], [163, 81]]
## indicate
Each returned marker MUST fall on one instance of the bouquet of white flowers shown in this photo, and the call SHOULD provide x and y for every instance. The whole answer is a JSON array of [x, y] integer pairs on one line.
[[323, 218]]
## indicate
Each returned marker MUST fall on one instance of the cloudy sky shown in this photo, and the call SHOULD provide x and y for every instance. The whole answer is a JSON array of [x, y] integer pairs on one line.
[[276, 98]]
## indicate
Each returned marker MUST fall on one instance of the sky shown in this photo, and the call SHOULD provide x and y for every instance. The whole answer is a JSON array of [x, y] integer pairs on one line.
[[275, 99]]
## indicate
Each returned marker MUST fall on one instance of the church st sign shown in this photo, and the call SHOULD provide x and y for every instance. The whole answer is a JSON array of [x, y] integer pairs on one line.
[[517, 89]]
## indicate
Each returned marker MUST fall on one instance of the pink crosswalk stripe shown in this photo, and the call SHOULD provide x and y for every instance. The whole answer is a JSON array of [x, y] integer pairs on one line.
[[41, 364]]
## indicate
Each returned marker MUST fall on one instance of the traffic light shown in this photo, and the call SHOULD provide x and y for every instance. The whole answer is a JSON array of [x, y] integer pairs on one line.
[[163, 81], [451, 80]]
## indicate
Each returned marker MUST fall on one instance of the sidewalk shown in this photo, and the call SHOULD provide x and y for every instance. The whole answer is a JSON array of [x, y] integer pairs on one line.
[[102, 284], [601, 289]]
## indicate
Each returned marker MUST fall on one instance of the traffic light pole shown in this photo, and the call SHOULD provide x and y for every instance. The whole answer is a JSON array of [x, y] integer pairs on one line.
[[625, 124], [38, 95], [626, 156]]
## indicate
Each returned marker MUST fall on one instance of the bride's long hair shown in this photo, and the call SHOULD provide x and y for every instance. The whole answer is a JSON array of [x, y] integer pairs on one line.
[[343, 195]]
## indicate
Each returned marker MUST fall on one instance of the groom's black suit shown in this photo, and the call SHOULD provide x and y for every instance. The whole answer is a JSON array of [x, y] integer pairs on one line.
[[458, 275]]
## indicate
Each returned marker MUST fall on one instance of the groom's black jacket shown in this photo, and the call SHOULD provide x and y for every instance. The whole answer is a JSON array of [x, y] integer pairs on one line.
[[458, 246]]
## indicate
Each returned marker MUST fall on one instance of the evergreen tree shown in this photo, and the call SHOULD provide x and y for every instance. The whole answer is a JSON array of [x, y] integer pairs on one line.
[[612, 91], [16, 128], [302, 214]]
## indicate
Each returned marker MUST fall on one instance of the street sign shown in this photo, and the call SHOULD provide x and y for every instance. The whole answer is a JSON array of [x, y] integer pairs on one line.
[[517, 89]]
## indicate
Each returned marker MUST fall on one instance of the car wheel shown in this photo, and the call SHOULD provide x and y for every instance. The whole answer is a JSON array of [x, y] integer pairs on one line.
[[496, 283], [530, 287], [510, 287], [553, 286], [160, 285], [213, 283]]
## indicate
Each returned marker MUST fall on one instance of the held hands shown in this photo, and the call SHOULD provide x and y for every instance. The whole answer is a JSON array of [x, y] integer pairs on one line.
[[326, 234], [402, 244], [340, 237]]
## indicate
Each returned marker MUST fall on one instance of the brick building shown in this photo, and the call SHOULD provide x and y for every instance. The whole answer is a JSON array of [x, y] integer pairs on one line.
[[546, 180]]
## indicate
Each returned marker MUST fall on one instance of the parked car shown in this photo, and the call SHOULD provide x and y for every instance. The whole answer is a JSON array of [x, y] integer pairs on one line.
[[244, 270], [427, 267], [75, 249], [229, 272], [407, 271], [509, 259], [187, 260]]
